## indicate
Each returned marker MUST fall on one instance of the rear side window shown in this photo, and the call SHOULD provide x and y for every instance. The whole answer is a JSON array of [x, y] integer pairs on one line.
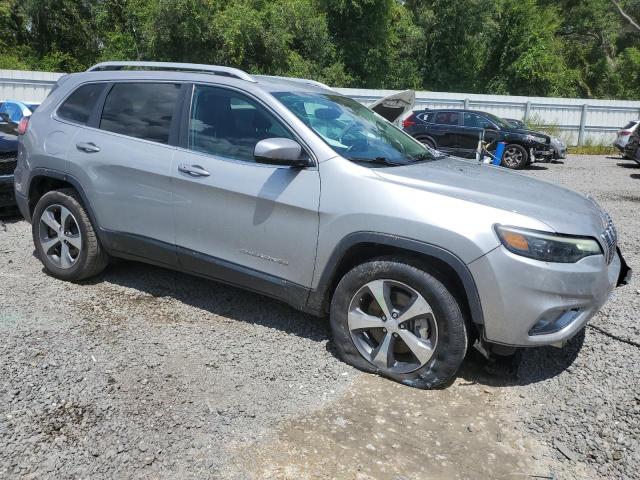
[[447, 118], [629, 125], [140, 110], [425, 117], [78, 106]]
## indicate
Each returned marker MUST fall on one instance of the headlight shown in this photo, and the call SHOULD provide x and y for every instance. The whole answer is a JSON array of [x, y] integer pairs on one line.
[[536, 139], [547, 247]]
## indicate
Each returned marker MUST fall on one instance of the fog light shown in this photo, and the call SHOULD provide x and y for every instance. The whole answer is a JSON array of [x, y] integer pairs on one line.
[[553, 322]]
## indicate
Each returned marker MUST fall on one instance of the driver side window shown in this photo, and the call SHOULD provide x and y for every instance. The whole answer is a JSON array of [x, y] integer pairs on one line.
[[229, 124]]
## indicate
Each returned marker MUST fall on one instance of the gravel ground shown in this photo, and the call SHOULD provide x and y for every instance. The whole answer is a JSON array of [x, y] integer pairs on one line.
[[584, 400], [146, 373]]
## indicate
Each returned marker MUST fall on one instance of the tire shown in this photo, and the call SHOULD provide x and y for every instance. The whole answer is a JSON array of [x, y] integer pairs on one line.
[[72, 264], [427, 142], [631, 147], [515, 157], [444, 330]]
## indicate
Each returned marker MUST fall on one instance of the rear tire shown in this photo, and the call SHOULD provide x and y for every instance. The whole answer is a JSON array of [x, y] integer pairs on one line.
[[515, 157], [421, 310], [631, 147], [427, 142], [64, 237]]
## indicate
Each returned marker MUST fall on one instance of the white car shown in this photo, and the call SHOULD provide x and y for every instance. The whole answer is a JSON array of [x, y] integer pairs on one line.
[[624, 134]]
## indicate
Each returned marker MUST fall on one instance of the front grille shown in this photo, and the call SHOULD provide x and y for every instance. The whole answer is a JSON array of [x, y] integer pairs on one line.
[[610, 239], [8, 163]]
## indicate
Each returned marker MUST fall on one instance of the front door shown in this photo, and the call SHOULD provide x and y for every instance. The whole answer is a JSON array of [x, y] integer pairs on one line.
[[236, 218]]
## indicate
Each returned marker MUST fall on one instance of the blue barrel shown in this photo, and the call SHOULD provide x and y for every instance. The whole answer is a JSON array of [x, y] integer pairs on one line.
[[499, 152]]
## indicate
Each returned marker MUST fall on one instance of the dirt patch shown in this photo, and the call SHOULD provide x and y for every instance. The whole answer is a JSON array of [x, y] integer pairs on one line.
[[382, 430]]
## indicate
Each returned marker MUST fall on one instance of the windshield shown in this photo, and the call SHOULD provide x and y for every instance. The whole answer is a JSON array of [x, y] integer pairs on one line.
[[354, 131], [498, 121]]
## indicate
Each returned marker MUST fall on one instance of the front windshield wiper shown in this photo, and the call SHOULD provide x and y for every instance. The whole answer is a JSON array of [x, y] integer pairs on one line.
[[377, 160]]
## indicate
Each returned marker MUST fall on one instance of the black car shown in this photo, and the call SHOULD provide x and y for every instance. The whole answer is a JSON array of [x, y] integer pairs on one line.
[[457, 132], [11, 114]]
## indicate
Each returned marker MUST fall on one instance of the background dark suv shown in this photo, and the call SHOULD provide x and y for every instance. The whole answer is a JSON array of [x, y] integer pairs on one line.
[[457, 132]]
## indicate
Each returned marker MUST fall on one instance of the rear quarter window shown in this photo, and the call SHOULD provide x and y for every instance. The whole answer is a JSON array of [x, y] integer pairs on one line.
[[78, 106]]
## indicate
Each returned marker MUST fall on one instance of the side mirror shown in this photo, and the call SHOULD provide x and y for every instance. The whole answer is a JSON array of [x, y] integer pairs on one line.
[[280, 151]]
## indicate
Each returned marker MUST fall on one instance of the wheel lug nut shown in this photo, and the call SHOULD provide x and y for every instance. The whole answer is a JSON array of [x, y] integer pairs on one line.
[[384, 319], [394, 314], [395, 335], [384, 330]]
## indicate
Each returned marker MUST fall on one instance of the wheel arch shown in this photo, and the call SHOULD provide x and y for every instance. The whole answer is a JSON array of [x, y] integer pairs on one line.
[[365, 246], [43, 180]]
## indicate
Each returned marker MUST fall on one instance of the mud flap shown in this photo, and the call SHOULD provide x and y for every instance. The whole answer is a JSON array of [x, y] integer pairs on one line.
[[625, 272]]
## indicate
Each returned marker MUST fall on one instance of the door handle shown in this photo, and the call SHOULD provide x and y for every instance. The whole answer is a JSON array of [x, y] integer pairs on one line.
[[88, 147], [193, 170]]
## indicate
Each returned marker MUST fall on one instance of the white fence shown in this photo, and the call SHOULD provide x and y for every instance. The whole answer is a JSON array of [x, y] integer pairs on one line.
[[579, 120]]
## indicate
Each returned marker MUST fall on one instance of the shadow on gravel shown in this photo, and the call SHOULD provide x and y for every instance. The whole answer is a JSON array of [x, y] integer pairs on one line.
[[635, 176], [527, 366], [210, 296], [629, 164], [537, 167]]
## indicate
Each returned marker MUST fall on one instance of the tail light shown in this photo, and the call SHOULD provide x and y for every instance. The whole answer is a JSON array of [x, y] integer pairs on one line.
[[23, 125], [408, 122], [624, 133]]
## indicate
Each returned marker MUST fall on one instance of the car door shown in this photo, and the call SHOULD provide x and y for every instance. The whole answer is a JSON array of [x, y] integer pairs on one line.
[[475, 127], [446, 130], [251, 224], [122, 158]]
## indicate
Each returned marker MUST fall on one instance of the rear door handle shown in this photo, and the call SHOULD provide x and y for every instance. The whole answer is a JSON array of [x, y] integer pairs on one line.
[[88, 147], [193, 170]]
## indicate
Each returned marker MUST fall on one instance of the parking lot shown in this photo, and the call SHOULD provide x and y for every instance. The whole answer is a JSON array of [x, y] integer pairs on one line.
[[148, 373]]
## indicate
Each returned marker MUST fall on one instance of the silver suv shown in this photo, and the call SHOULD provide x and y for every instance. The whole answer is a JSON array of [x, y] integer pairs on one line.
[[287, 188]]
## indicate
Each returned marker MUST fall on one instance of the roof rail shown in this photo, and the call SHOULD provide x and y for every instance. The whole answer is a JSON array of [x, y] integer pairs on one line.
[[297, 80], [189, 67]]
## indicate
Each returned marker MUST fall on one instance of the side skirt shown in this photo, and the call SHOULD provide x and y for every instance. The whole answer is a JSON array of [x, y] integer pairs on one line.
[[146, 250]]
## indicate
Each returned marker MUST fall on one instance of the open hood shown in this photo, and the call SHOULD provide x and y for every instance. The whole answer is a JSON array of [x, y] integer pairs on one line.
[[395, 106]]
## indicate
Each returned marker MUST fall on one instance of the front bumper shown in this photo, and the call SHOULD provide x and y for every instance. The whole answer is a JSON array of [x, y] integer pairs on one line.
[[519, 295], [7, 197]]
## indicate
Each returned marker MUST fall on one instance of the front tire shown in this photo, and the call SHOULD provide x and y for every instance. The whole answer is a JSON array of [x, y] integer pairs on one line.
[[64, 237], [401, 322], [515, 157]]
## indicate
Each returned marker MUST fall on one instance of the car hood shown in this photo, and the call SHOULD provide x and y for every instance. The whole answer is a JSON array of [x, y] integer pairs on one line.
[[563, 210], [524, 131], [395, 106]]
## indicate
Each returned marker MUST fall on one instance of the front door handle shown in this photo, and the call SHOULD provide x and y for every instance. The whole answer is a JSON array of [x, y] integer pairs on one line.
[[193, 170], [88, 147]]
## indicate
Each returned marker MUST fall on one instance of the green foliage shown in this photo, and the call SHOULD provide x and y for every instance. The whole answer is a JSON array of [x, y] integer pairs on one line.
[[519, 47]]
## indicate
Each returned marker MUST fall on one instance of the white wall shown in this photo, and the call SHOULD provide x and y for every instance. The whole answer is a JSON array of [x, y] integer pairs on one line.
[[596, 123]]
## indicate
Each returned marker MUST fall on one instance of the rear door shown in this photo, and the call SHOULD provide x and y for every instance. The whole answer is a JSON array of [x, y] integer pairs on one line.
[[446, 130], [123, 160]]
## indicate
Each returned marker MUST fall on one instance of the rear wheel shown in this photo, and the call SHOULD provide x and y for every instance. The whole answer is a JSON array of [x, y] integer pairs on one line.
[[64, 237], [396, 320], [631, 147], [515, 157], [427, 142]]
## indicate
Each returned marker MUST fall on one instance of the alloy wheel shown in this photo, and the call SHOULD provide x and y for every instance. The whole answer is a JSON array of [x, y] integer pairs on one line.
[[392, 326], [512, 157], [60, 236]]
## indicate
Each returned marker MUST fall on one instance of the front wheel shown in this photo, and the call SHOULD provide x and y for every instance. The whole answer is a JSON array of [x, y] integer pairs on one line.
[[515, 157], [396, 320]]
